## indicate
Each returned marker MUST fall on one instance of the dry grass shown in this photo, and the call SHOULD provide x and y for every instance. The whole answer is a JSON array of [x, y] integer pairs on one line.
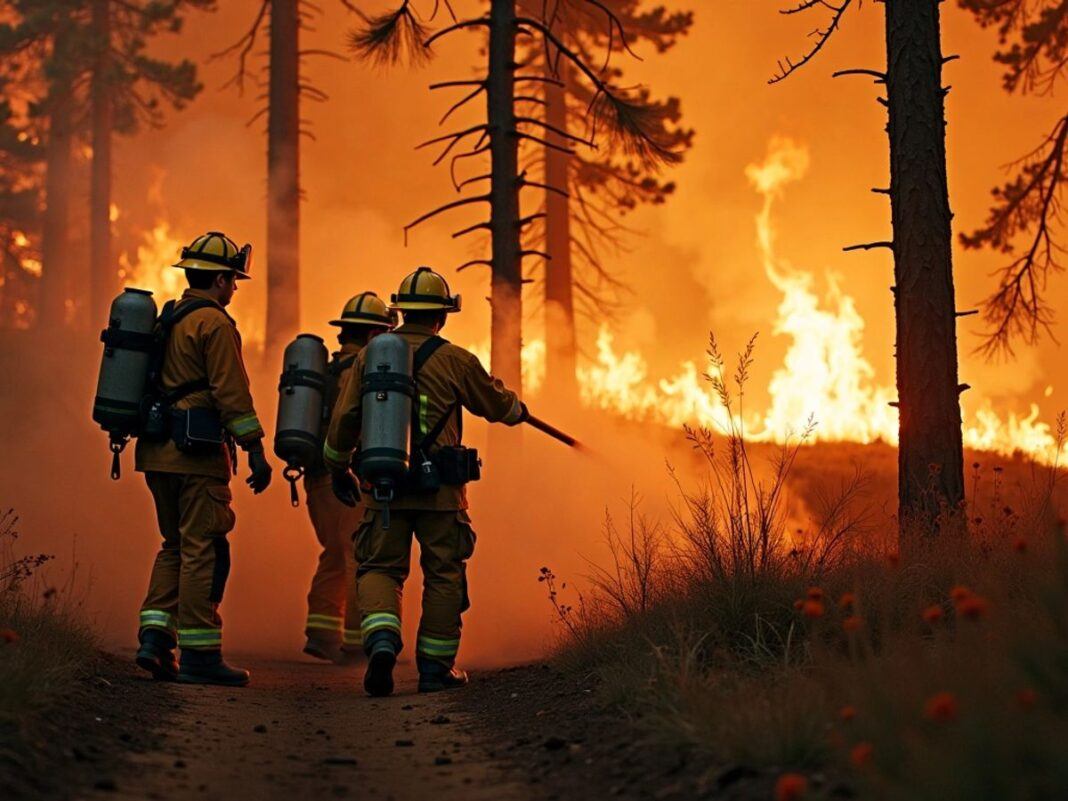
[[937, 673], [45, 646]]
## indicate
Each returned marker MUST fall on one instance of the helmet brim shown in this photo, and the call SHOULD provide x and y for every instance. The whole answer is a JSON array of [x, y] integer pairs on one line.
[[363, 322], [209, 266], [419, 306]]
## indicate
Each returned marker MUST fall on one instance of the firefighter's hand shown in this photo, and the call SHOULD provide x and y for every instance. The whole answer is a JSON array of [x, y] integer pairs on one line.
[[345, 487], [260, 477]]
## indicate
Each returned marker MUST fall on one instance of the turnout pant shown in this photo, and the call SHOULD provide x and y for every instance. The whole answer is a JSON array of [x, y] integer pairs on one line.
[[446, 542], [333, 614], [193, 563]]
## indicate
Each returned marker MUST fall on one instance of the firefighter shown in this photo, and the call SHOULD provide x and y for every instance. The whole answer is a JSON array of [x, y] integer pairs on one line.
[[449, 380], [209, 412], [333, 625]]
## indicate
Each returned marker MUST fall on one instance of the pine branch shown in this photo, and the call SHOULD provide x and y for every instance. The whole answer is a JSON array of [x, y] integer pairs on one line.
[[821, 35], [391, 37]]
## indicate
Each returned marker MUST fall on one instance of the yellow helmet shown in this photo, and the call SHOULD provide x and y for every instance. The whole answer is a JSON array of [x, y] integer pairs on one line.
[[425, 290], [366, 309], [216, 251]]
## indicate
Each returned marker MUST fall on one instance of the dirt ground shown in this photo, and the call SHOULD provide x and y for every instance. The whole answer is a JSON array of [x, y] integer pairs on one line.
[[306, 730]]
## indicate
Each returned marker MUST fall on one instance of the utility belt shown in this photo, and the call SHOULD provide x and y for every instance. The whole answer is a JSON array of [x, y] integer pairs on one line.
[[197, 431], [448, 466]]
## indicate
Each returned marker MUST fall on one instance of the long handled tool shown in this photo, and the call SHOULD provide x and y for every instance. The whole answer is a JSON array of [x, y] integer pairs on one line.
[[553, 432]]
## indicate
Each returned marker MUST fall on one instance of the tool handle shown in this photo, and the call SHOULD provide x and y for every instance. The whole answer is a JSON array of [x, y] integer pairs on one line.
[[552, 431]]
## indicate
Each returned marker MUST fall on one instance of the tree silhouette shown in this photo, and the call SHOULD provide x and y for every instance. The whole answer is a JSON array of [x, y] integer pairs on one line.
[[511, 119], [286, 87], [1034, 41], [39, 52], [603, 184], [127, 88], [930, 451]]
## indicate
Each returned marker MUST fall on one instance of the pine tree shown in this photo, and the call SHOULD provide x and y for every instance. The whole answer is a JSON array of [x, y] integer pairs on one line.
[[603, 185], [930, 450], [286, 87], [127, 90], [39, 50], [1034, 52], [508, 123]]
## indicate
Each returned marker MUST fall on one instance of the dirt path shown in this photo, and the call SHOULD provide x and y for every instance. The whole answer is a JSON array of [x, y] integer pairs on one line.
[[304, 730]]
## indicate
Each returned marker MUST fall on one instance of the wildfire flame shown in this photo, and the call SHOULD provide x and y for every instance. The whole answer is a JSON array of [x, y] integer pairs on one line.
[[824, 374]]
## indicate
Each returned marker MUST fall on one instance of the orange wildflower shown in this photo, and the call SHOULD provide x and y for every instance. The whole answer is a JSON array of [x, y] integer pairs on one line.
[[959, 593], [812, 609], [847, 600], [814, 594], [941, 707], [973, 607], [8, 636], [847, 713], [791, 787], [860, 754], [800, 602], [853, 623], [1026, 698], [932, 614]]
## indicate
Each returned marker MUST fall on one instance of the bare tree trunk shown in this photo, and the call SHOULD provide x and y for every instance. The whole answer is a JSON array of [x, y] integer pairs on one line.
[[506, 283], [559, 300], [55, 236], [103, 277], [283, 176], [930, 458]]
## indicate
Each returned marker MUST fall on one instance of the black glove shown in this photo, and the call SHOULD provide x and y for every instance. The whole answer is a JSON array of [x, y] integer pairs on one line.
[[260, 477], [345, 487], [524, 415]]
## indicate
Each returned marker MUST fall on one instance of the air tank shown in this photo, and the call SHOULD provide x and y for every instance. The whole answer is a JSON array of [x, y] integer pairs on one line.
[[298, 433], [128, 345], [387, 390]]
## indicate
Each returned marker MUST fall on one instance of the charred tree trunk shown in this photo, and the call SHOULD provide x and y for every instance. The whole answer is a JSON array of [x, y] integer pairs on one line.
[[930, 458], [506, 283], [55, 286], [283, 176], [559, 299], [103, 277]]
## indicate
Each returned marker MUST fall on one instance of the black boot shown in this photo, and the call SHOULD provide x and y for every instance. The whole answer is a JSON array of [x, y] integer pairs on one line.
[[156, 655], [208, 667], [435, 676], [382, 648], [322, 648]]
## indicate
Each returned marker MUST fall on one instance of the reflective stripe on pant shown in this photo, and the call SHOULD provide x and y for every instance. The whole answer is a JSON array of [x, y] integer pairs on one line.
[[193, 563], [333, 613], [446, 541]]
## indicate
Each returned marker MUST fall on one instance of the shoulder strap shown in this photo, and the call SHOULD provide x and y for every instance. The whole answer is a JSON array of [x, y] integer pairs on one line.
[[339, 365], [422, 356], [425, 351], [172, 313]]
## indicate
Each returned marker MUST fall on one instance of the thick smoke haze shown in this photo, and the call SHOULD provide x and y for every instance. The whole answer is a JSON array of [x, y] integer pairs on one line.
[[696, 266]]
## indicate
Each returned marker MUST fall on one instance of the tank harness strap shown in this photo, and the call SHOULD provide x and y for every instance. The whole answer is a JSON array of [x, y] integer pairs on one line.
[[292, 377], [422, 356], [339, 365]]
